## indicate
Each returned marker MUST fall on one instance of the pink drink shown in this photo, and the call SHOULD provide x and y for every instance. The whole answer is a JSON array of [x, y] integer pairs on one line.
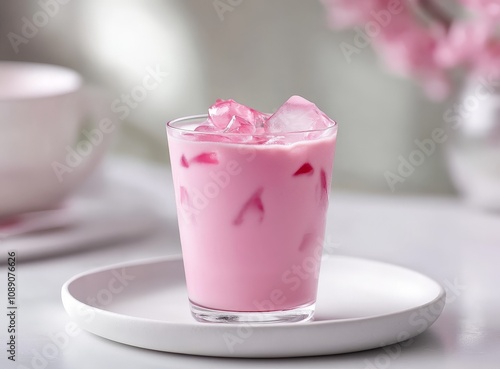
[[252, 219]]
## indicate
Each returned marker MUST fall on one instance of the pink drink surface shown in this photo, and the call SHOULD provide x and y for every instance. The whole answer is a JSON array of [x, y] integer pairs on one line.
[[252, 220]]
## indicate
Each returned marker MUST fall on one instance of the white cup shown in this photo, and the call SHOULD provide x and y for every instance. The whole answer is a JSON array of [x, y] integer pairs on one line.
[[53, 132]]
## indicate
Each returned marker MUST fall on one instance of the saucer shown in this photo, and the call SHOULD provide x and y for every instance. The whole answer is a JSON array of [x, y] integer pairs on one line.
[[113, 206], [362, 304]]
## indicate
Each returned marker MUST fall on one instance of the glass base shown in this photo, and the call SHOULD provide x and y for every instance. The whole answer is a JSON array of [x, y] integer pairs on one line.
[[300, 314]]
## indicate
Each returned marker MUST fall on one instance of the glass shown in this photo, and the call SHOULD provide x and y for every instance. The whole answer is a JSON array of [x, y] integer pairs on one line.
[[251, 219]]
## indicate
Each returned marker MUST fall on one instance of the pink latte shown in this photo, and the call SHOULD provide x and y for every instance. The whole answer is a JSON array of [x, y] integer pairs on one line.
[[252, 195]]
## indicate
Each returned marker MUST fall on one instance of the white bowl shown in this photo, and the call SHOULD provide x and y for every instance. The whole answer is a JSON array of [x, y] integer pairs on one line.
[[52, 135]]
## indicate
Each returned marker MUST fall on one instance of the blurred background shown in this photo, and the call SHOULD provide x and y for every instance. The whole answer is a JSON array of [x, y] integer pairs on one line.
[[257, 52]]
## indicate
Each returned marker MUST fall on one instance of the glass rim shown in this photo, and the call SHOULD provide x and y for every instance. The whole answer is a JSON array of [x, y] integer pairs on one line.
[[171, 124]]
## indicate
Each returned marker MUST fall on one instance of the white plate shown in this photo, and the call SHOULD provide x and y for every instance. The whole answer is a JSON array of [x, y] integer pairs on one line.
[[113, 206], [362, 304]]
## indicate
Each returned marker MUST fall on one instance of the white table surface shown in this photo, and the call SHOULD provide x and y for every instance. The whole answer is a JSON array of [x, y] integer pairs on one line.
[[441, 237]]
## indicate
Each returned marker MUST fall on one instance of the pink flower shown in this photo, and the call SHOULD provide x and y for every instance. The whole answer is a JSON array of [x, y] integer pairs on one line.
[[407, 48], [425, 47], [464, 42]]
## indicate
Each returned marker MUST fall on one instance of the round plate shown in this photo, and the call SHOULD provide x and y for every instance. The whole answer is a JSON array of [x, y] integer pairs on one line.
[[101, 213], [361, 304]]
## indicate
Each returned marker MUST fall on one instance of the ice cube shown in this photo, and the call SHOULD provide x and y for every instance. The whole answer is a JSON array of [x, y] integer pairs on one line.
[[206, 127], [207, 132], [186, 206], [308, 241], [324, 188], [296, 115], [184, 162], [239, 125], [223, 112], [206, 158], [229, 121], [306, 169], [253, 205]]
